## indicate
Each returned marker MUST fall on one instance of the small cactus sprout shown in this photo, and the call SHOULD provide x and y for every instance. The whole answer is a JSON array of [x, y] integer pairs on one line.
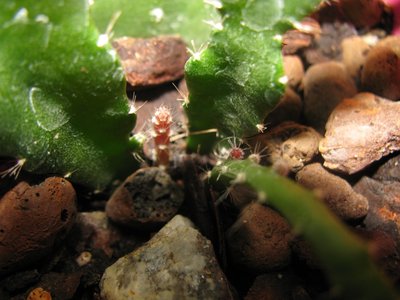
[[161, 122]]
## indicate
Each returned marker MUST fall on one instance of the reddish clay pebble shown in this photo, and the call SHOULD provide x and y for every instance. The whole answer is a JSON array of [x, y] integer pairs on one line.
[[259, 240], [32, 218], [151, 61]]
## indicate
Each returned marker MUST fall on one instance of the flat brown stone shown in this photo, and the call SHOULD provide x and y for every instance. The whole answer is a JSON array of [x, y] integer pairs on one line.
[[151, 61], [360, 131]]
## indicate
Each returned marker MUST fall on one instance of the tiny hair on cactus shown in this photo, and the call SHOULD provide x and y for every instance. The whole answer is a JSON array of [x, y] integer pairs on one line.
[[14, 170], [161, 126]]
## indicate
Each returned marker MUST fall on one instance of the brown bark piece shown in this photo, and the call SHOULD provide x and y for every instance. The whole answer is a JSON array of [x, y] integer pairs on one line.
[[151, 61], [360, 131]]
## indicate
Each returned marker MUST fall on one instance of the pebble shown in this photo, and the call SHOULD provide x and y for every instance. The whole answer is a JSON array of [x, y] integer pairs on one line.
[[325, 86], [294, 70], [381, 72], [288, 109], [360, 131], [389, 171], [259, 240], [177, 263], [336, 192], [33, 219], [354, 53], [384, 203], [290, 143], [146, 200], [362, 13], [277, 286], [151, 61], [383, 221], [94, 231]]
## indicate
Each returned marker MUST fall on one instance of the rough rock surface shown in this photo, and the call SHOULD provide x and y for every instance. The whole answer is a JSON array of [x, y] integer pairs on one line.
[[146, 200], [389, 171], [277, 286], [177, 263], [291, 144], [259, 240], [325, 86], [151, 61], [334, 191], [32, 219], [94, 231], [360, 131]]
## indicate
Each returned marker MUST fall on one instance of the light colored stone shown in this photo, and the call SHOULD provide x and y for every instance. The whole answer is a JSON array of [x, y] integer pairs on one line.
[[177, 263], [354, 53], [360, 131]]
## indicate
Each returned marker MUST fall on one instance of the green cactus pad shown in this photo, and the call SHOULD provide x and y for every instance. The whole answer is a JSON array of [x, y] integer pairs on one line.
[[62, 94], [239, 78], [147, 18]]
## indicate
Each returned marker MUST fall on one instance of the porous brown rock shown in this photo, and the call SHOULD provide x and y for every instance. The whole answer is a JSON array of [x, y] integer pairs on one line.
[[151, 61], [288, 109], [32, 220], [381, 72], [360, 131], [290, 144], [146, 200], [294, 70], [325, 86], [259, 240], [336, 192]]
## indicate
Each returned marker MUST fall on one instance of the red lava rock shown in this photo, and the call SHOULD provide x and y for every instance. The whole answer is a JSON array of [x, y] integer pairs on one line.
[[325, 86], [360, 131], [291, 143], [381, 72], [146, 200], [295, 40], [151, 61], [277, 286], [259, 240], [334, 191], [32, 219]]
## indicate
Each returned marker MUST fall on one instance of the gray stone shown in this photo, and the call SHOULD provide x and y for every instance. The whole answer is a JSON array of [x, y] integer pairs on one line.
[[177, 263]]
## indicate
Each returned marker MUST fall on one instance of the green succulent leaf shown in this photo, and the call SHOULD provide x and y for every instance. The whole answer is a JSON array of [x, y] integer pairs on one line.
[[147, 18], [62, 94], [239, 78]]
